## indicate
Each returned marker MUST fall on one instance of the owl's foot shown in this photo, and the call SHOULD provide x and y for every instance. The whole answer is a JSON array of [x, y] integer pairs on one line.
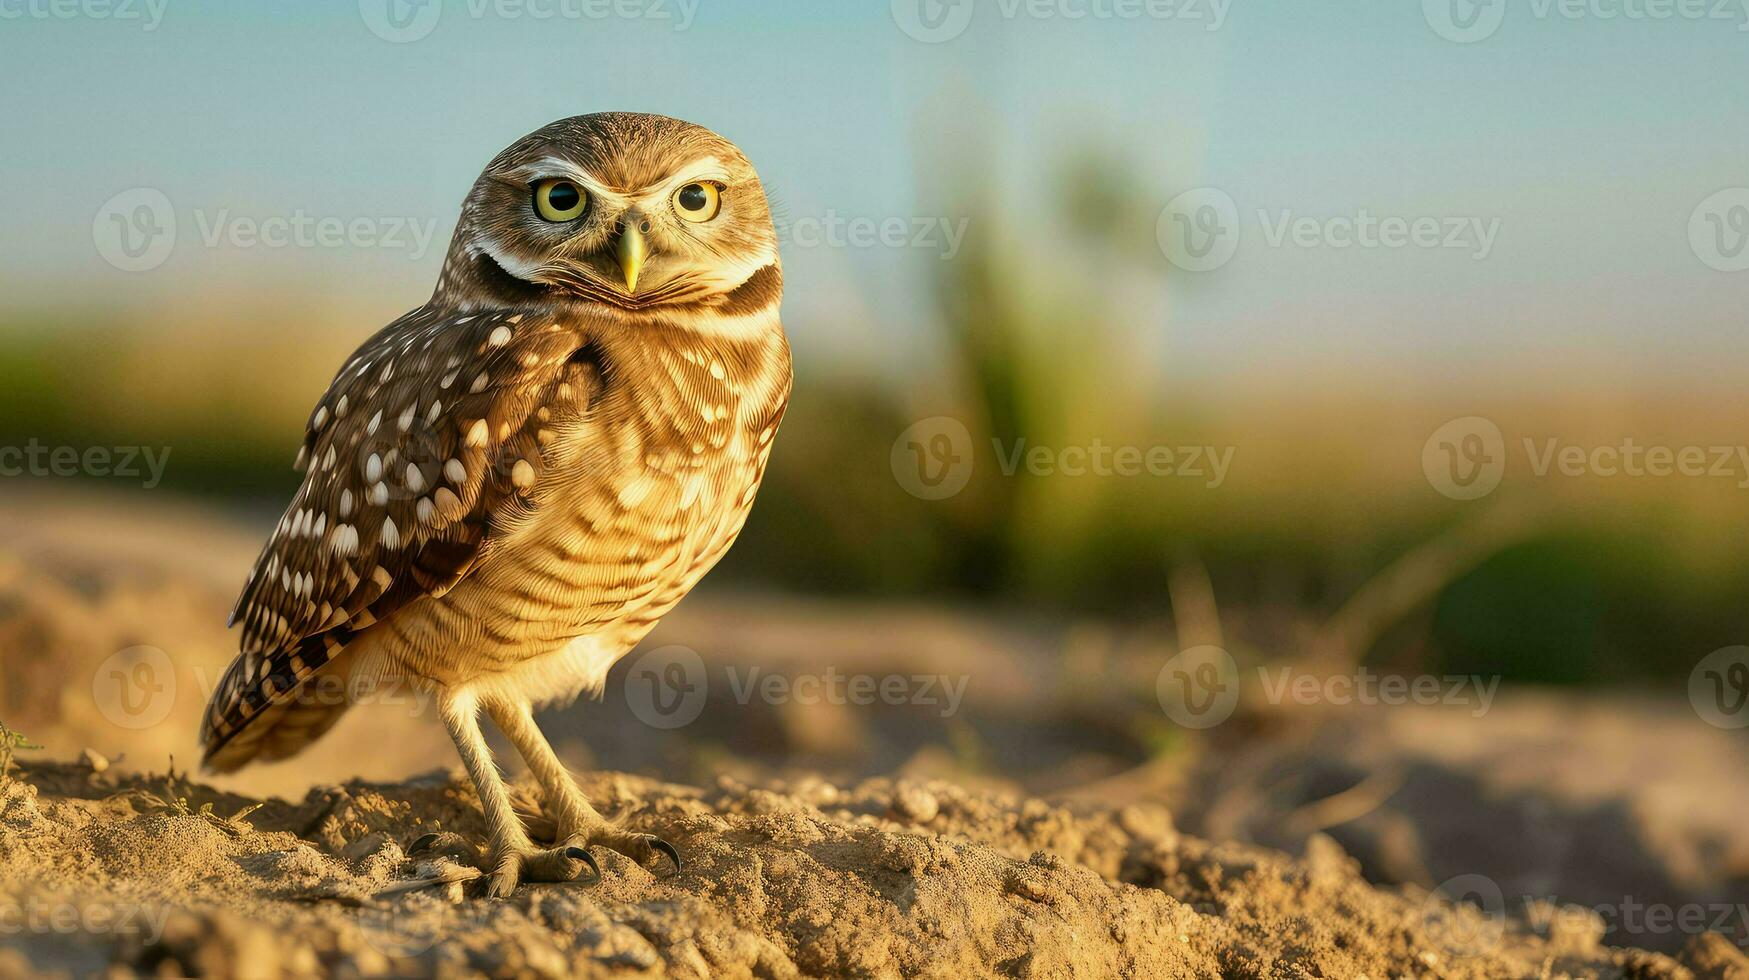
[[512, 862], [575, 822], [639, 847], [509, 864]]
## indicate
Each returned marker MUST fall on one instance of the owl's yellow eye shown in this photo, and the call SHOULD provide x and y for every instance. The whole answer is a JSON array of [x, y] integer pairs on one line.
[[557, 199], [698, 202]]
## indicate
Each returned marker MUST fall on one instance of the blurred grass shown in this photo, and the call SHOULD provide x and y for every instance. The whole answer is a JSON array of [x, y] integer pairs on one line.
[[1055, 343]]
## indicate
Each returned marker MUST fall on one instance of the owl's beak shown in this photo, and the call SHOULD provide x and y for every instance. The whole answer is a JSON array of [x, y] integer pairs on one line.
[[631, 251]]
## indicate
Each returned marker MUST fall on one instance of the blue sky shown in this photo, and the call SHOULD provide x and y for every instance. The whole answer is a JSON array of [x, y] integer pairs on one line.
[[1586, 141]]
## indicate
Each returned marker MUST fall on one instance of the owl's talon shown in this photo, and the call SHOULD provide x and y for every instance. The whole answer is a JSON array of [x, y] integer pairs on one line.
[[512, 865], [659, 844], [443, 844], [639, 848], [579, 854]]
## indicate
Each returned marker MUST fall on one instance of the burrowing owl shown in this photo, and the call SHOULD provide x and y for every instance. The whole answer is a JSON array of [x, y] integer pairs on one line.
[[509, 486]]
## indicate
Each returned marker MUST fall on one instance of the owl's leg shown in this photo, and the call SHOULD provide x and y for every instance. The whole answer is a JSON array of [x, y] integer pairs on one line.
[[579, 824], [510, 855]]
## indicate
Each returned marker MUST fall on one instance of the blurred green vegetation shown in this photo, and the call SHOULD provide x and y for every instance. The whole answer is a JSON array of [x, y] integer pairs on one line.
[[1615, 580]]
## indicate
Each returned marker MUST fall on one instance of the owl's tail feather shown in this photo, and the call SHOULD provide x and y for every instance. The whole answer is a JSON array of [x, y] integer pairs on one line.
[[280, 728], [283, 731]]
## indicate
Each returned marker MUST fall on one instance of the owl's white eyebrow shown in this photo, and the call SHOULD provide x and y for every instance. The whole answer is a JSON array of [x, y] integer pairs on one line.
[[702, 169], [555, 167]]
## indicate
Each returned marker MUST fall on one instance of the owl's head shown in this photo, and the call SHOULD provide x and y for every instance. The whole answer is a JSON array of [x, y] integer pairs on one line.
[[624, 209]]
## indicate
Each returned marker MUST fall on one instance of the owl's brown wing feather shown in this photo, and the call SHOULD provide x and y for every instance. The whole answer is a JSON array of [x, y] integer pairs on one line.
[[426, 437]]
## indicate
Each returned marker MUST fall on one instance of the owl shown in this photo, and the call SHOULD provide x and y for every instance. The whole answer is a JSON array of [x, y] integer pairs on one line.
[[508, 487]]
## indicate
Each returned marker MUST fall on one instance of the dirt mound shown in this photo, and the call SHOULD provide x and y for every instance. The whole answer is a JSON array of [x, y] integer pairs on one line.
[[160, 874], [802, 864]]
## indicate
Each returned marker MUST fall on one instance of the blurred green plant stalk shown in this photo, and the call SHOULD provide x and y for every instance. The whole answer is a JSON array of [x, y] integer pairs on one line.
[[1052, 334]]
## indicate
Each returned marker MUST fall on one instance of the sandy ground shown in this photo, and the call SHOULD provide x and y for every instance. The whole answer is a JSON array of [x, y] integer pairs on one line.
[[159, 874], [1035, 827]]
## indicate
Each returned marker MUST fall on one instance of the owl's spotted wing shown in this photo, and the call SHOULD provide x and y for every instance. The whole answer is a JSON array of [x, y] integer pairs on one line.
[[428, 435]]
